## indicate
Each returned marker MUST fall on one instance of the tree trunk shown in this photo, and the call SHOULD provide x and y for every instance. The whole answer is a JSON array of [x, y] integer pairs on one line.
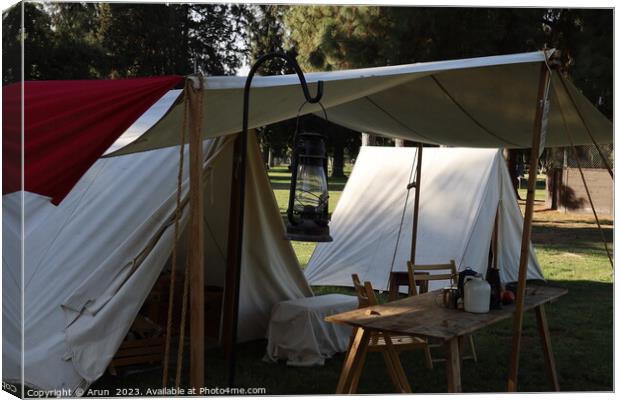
[[511, 161], [270, 158], [554, 177], [338, 163], [368, 139], [266, 151]]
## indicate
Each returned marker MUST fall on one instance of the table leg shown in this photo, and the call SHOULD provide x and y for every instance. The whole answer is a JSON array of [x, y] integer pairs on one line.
[[545, 338], [356, 372], [393, 288], [395, 367], [355, 356], [453, 365]]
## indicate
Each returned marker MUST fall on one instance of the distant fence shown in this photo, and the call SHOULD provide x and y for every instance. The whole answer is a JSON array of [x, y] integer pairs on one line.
[[600, 184], [588, 156]]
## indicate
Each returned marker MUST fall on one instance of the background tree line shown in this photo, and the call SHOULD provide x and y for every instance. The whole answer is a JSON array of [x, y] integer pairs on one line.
[[108, 40]]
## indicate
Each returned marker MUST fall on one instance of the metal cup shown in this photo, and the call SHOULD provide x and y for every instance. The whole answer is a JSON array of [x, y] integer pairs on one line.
[[450, 296]]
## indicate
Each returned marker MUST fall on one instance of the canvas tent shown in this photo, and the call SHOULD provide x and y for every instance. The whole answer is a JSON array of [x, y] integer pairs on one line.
[[482, 102], [461, 190], [91, 261]]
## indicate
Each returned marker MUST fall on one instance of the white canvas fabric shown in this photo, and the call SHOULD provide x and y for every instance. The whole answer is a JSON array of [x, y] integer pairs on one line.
[[461, 190], [479, 102], [91, 261], [299, 334]]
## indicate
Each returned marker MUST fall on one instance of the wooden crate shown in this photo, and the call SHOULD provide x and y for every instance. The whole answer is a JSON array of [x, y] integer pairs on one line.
[[144, 345]]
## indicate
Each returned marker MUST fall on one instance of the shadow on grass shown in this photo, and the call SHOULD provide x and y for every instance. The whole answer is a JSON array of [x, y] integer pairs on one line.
[[569, 237], [581, 325]]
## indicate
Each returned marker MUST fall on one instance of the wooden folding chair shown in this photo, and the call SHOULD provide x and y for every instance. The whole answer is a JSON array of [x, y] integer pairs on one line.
[[421, 275], [389, 346], [400, 342]]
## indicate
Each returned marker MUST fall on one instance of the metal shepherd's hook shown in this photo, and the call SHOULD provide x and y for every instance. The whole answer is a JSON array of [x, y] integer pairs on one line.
[[241, 170]]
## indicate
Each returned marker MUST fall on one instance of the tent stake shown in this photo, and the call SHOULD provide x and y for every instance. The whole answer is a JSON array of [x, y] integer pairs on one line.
[[416, 203], [196, 240], [527, 231]]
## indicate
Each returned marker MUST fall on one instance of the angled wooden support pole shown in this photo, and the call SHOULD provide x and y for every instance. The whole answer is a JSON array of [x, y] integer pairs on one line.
[[545, 339], [527, 230], [196, 240]]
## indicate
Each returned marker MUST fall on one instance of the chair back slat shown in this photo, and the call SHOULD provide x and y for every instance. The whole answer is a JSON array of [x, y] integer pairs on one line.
[[360, 291], [433, 267], [416, 274], [433, 277], [370, 294]]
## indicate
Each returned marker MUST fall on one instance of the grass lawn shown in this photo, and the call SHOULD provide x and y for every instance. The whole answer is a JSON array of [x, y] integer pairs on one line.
[[581, 324]]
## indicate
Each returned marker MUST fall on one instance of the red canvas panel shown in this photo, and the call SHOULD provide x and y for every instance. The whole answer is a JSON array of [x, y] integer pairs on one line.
[[68, 125]]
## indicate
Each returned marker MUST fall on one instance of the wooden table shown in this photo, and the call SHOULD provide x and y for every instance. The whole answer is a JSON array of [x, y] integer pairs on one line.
[[424, 315]]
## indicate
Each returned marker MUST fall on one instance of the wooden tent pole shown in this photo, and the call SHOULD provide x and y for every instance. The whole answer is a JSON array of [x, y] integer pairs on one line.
[[234, 252], [196, 240], [527, 230], [416, 203]]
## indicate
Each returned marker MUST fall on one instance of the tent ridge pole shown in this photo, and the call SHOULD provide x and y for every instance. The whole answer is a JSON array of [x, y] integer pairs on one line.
[[527, 230]]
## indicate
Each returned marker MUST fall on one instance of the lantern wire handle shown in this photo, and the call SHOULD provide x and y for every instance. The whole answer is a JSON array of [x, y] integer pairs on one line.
[[299, 115]]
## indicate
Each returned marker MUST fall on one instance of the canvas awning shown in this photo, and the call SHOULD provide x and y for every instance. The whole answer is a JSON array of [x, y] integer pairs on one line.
[[478, 102]]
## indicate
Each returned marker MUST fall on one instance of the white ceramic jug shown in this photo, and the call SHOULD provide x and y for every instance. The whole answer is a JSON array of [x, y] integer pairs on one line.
[[477, 295]]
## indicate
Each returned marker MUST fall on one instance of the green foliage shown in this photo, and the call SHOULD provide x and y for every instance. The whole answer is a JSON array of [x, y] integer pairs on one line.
[[76, 49], [333, 37], [94, 40], [38, 37], [11, 45], [157, 39], [585, 40]]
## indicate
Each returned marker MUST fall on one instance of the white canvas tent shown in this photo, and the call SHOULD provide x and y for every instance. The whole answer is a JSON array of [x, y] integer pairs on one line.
[[91, 261], [461, 190]]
